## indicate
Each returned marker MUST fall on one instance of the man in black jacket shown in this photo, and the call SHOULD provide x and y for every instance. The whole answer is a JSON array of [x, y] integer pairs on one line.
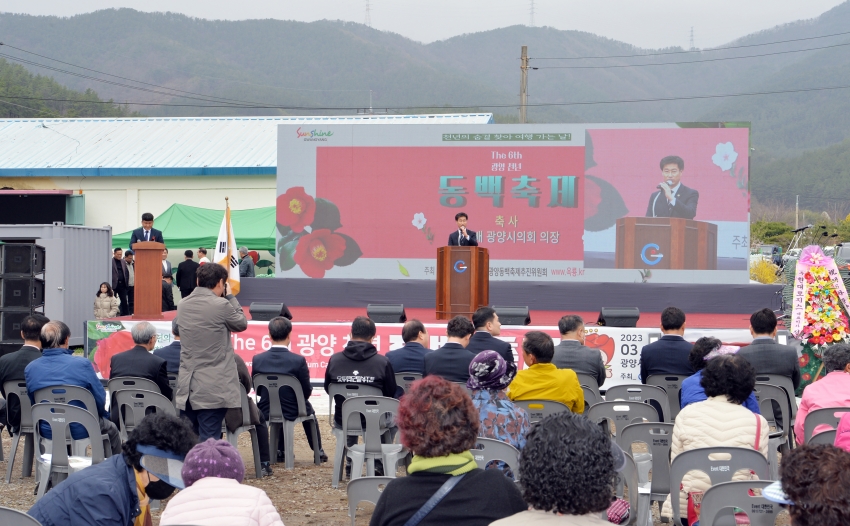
[[411, 357], [487, 327], [451, 361], [669, 355], [167, 293], [280, 360], [146, 232], [13, 364], [171, 352], [462, 236], [121, 280], [673, 199], [186, 277]]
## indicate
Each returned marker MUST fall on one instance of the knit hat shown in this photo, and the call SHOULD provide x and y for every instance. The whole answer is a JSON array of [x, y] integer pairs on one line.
[[213, 458], [488, 370]]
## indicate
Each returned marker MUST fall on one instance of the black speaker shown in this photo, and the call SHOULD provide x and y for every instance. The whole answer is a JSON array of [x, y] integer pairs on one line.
[[513, 315], [268, 311], [619, 317], [21, 258], [21, 292], [386, 313], [10, 325]]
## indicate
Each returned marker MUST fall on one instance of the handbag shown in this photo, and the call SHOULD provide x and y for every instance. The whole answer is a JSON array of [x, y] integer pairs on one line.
[[434, 500], [618, 511]]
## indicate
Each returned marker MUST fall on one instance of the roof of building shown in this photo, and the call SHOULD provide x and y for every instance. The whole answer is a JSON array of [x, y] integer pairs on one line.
[[165, 146]]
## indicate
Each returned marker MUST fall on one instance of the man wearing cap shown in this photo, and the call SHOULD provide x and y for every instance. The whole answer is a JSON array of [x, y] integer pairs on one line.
[[118, 491]]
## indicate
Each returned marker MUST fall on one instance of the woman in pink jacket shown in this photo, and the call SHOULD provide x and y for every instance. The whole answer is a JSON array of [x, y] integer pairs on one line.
[[214, 494], [832, 390]]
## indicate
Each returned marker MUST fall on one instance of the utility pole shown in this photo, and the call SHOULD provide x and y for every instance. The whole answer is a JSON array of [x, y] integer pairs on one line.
[[523, 85], [797, 214], [368, 20], [692, 38]]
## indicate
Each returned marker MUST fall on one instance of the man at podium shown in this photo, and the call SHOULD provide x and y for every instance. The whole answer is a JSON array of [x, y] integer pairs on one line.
[[462, 237], [673, 199]]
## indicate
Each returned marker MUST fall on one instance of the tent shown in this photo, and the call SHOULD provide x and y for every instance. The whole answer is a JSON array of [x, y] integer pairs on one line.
[[192, 227]]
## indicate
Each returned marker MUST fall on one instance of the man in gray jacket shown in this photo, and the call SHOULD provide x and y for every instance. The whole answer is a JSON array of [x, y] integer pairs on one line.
[[571, 353], [246, 263], [208, 383]]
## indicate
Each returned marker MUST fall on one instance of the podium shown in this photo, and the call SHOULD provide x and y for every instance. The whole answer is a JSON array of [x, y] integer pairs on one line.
[[463, 281], [148, 280], [666, 243]]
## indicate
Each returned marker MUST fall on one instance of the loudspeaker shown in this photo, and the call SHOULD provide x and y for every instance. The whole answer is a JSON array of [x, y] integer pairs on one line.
[[619, 317], [386, 313], [268, 311], [513, 315], [10, 325], [21, 258], [21, 292]]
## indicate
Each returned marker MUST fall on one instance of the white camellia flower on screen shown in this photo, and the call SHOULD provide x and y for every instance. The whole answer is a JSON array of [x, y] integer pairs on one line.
[[419, 220], [724, 156]]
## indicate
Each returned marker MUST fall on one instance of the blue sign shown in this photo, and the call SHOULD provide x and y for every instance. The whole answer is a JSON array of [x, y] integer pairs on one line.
[[460, 266], [650, 254]]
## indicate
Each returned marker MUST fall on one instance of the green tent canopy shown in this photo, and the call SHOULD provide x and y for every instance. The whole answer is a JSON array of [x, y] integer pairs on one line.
[[192, 227]]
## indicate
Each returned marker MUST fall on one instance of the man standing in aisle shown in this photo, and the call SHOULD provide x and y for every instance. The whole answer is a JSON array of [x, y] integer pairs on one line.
[[186, 274], [131, 283], [120, 280]]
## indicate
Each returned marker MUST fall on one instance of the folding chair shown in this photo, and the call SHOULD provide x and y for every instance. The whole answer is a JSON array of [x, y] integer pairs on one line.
[[658, 438], [642, 393], [719, 499], [488, 450], [405, 380], [824, 416], [539, 409], [65, 394], [18, 389], [371, 408], [120, 383], [785, 383], [272, 384], [348, 391], [621, 413], [367, 489], [825, 437], [766, 395], [590, 397], [246, 427], [10, 517], [585, 380], [672, 384], [57, 465], [137, 402], [717, 470], [629, 478]]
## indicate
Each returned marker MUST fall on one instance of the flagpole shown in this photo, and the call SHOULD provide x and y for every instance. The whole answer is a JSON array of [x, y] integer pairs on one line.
[[227, 222]]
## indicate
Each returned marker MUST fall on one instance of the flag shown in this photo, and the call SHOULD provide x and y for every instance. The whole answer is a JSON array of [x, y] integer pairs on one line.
[[225, 252]]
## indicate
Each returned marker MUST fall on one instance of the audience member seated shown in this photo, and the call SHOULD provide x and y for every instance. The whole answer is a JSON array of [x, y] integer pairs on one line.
[[171, 352], [542, 380], [59, 366], [12, 367], [813, 485], [833, 390], [668, 355], [567, 473], [411, 357], [279, 360], [215, 496], [571, 353], [705, 349], [118, 491], [451, 361], [767, 356], [139, 361], [233, 418], [842, 433], [500, 419], [106, 303], [719, 421], [487, 327], [439, 424]]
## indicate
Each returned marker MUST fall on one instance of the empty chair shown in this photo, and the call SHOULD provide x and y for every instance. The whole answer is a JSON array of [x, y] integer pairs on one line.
[[672, 384], [642, 393], [10, 517], [18, 389], [277, 423], [136, 403], [371, 409], [585, 380], [404, 380], [366, 489], [658, 438], [785, 383], [825, 416], [825, 437], [767, 395], [247, 427], [718, 501], [539, 409], [621, 414], [590, 397], [348, 391], [488, 450]]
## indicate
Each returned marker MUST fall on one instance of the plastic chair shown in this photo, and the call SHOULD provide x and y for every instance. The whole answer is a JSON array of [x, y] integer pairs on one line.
[[591, 397], [119, 383], [824, 416], [57, 465], [371, 408], [247, 427], [717, 470], [539, 409], [405, 380], [785, 383], [621, 413], [272, 384], [10, 517], [641, 393], [766, 395], [367, 489], [18, 389], [638, 508], [658, 438], [487, 450], [825, 437], [137, 402], [172, 383], [718, 501], [347, 391], [672, 384], [65, 394]]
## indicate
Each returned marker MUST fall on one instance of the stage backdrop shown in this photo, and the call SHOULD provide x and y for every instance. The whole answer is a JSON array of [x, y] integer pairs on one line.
[[367, 202]]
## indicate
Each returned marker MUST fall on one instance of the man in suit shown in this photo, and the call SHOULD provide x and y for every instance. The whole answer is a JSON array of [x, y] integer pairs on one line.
[[13, 364], [171, 352], [451, 361], [411, 357], [146, 232], [571, 353], [166, 265], [669, 355], [673, 199], [131, 283], [487, 327], [186, 274], [462, 236], [121, 280], [280, 360]]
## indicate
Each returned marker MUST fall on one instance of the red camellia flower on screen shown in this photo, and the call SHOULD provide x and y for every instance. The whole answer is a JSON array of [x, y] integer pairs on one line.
[[108, 347], [295, 209], [316, 252]]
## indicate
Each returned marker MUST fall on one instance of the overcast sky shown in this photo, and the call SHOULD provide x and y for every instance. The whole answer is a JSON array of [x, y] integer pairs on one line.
[[645, 23]]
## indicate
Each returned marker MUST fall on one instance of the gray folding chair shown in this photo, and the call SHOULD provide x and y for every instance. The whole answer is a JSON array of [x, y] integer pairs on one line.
[[825, 437], [590, 382], [348, 391], [672, 384], [621, 413], [136, 403], [404, 380], [766, 395], [10, 517], [172, 383], [366, 489], [590, 397], [825, 416], [272, 384], [718, 501], [658, 438], [65, 394], [372, 409], [539, 409], [57, 465], [717, 470], [785, 383], [18, 389], [629, 478], [488, 450], [120, 383], [247, 427], [641, 393]]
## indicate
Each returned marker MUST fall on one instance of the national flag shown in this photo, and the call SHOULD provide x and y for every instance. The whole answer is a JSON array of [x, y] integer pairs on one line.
[[225, 252]]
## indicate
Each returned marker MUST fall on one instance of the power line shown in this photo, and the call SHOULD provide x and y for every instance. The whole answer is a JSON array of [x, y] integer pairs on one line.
[[28, 108]]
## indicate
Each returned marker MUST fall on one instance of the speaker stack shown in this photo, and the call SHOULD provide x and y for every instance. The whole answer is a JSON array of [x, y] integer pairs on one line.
[[21, 290]]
